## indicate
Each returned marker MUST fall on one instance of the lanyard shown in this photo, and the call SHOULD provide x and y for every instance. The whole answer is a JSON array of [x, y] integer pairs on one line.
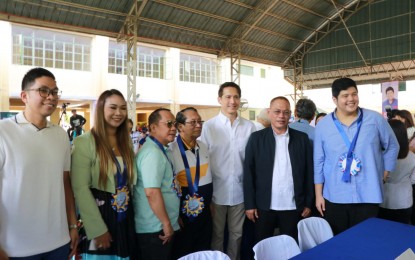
[[351, 146], [163, 150], [120, 199], [121, 177], [193, 187]]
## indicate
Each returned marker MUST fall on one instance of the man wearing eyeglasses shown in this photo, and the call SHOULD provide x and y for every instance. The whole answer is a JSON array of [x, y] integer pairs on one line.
[[37, 210], [191, 165], [226, 136], [156, 193], [278, 175]]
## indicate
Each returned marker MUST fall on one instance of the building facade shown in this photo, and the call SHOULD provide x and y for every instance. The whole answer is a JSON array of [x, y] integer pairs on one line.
[[86, 65]]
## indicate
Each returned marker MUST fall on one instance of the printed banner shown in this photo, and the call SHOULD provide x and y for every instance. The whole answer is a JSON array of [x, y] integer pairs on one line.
[[389, 96]]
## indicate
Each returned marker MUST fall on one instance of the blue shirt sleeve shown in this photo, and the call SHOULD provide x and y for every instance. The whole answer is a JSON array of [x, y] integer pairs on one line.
[[318, 155]]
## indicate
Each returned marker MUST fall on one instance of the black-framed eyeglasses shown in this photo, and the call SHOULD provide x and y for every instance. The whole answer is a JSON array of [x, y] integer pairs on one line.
[[195, 122], [169, 123], [45, 92]]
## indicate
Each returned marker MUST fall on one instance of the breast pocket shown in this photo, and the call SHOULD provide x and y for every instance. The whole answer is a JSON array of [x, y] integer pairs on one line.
[[368, 134]]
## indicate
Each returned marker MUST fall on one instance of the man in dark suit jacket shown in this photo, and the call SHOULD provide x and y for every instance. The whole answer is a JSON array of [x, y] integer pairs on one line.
[[278, 175]]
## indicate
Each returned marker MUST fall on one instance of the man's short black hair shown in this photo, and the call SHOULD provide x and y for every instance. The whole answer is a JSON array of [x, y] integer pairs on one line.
[[30, 76], [279, 98], [181, 117], [229, 84], [341, 84], [322, 114], [155, 116], [389, 89], [305, 109]]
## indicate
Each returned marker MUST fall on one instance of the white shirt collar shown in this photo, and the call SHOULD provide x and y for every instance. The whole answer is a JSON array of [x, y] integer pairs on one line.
[[224, 119], [21, 119], [284, 134]]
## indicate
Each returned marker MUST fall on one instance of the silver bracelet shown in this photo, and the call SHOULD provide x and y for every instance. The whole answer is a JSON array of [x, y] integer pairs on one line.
[[73, 226]]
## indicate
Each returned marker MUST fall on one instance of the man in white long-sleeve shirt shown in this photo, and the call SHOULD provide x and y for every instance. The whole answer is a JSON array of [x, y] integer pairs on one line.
[[226, 136]]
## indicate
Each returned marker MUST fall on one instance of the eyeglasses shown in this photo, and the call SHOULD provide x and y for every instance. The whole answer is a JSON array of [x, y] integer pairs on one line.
[[194, 122], [45, 92], [284, 112], [169, 123]]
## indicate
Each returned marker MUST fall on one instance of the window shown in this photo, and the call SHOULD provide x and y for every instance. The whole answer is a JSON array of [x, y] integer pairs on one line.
[[247, 70], [263, 73], [197, 69], [51, 49], [151, 61], [251, 114], [117, 58]]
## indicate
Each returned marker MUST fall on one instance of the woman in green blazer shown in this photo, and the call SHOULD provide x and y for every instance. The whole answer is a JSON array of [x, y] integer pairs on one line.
[[102, 173]]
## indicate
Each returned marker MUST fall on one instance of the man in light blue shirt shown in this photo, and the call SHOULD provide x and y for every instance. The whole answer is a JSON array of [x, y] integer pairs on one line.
[[305, 111], [348, 181]]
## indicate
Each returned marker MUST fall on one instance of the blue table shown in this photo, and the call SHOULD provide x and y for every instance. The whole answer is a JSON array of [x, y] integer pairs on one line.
[[372, 239]]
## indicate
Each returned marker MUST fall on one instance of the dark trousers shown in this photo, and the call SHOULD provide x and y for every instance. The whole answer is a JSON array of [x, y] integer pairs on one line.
[[195, 235], [72, 131], [397, 215], [344, 216], [268, 219], [152, 248], [60, 253], [248, 240]]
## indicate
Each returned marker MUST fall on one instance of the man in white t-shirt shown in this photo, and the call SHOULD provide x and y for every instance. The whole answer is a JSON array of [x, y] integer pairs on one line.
[[37, 210], [135, 136], [226, 136]]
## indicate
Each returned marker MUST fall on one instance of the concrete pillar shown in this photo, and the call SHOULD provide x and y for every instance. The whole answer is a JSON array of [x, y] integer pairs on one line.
[[174, 72], [91, 114], [99, 63]]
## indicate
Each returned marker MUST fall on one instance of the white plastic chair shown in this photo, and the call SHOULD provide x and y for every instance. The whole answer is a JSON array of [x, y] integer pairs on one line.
[[205, 255], [313, 231], [280, 247]]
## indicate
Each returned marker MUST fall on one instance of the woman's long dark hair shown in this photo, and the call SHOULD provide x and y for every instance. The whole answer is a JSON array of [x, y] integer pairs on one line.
[[102, 145], [401, 134]]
